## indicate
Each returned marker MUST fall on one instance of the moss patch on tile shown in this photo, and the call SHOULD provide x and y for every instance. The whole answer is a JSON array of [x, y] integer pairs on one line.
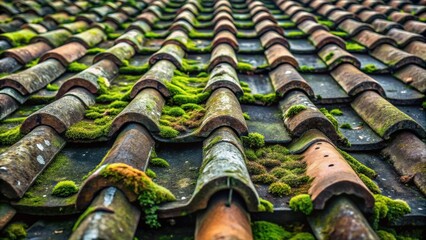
[[19, 38], [77, 67], [263, 230], [388, 210], [65, 189], [352, 46], [14, 231], [369, 68], [335, 123], [302, 203], [294, 110]]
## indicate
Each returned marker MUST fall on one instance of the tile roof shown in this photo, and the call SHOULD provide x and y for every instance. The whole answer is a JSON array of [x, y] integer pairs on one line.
[[158, 112]]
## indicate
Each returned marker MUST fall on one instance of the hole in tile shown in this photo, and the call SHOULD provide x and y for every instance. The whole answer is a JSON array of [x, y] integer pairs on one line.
[[317, 148], [330, 165], [326, 155]]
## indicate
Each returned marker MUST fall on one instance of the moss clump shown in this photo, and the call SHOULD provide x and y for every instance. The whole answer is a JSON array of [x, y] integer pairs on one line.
[[65, 189], [15, 231], [369, 68], [187, 89], [173, 111], [32, 63], [295, 34], [357, 166], [326, 23], [150, 173], [370, 184], [424, 104], [279, 189], [263, 230], [159, 162], [184, 118], [255, 168], [52, 87], [10, 136], [302, 203], [294, 110], [95, 50], [303, 236], [245, 67], [346, 126], [19, 38], [265, 178], [306, 69], [335, 124], [383, 235], [168, 132], [77, 67], [196, 34], [336, 112], [250, 154], [388, 209], [253, 140], [329, 56], [354, 47], [265, 206], [149, 193], [246, 116], [88, 130], [134, 70]]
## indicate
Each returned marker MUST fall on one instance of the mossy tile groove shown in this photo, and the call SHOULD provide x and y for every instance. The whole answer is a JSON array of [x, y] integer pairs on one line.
[[33, 153]]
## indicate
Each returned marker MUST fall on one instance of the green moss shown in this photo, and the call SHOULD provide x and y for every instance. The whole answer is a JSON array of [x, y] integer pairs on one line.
[[15, 231], [65, 189], [335, 124], [346, 126], [369, 68], [263, 230], [265, 178], [295, 34], [95, 50], [388, 209], [294, 110], [253, 140], [303, 236], [173, 111], [302, 203], [383, 235], [294, 180], [339, 34], [424, 104], [149, 193], [245, 67], [196, 34], [370, 184], [336, 112], [89, 130], [14, 120], [134, 70], [357, 166], [159, 162], [246, 116], [168, 132], [266, 99], [354, 47], [255, 168], [306, 69], [83, 216], [279, 189], [19, 38], [250, 154], [326, 23], [265, 206], [10, 136], [32, 63], [150, 173], [52, 87], [287, 24], [77, 67], [329, 56]]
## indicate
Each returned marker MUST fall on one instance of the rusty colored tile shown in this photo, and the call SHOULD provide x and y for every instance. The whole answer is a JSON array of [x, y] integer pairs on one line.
[[271, 38], [317, 5], [88, 79], [401, 17], [222, 15], [220, 3], [170, 52], [345, 3], [339, 16], [310, 26], [60, 114], [384, 9], [353, 81], [285, 78], [258, 10], [383, 26], [353, 27], [333, 56], [118, 18], [416, 27], [302, 16], [332, 176], [308, 119], [407, 153], [395, 57], [225, 37], [403, 38], [414, 76], [373, 40], [321, 38], [225, 25], [284, 5], [266, 26], [26, 159], [148, 17], [133, 37], [383, 117], [186, 16], [327, 9], [118, 54], [223, 220], [181, 25], [357, 8], [65, 54], [27, 53], [370, 16], [224, 76], [188, 7], [144, 109], [278, 54], [7, 105], [263, 16], [157, 76], [223, 53], [294, 10], [223, 110], [140, 25], [6, 214], [222, 9]]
